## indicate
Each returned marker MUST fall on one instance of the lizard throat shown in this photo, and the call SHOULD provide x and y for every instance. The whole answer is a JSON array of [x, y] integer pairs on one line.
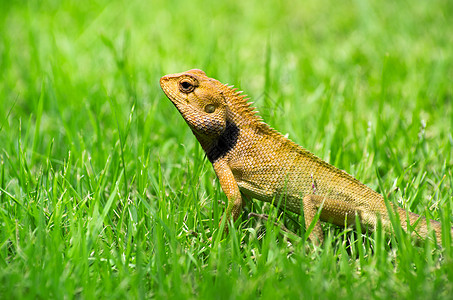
[[224, 143]]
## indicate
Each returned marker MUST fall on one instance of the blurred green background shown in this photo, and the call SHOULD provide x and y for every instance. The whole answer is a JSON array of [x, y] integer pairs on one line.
[[77, 55], [102, 182]]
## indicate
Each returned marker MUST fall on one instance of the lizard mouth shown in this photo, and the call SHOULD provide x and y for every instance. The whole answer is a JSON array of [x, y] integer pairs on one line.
[[165, 83]]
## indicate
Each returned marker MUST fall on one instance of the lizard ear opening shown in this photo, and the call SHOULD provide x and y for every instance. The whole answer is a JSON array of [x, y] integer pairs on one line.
[[210, 108]]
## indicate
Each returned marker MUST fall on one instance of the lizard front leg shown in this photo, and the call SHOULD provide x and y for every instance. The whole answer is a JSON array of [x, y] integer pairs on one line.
[[230, 188]]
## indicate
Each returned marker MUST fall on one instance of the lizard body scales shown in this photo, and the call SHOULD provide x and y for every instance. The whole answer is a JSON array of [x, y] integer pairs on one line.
[[251, 158]]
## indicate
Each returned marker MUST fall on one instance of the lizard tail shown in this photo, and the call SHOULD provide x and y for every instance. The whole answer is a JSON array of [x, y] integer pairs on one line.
[[422, 227]]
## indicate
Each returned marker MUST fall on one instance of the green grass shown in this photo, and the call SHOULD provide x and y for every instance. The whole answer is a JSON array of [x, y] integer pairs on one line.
[[104, 191]]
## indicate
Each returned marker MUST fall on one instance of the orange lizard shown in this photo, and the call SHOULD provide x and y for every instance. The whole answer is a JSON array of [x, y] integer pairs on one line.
[[251, 158]]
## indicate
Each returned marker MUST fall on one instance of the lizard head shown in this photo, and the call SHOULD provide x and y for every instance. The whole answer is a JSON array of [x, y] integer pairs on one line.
[[199, 99]]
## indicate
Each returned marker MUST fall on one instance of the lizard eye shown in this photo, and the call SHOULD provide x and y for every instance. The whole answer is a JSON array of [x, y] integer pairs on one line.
[[210, 108], [186, 86]]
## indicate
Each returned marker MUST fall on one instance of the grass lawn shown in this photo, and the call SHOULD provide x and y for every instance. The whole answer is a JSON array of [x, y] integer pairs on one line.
[[105, 193]]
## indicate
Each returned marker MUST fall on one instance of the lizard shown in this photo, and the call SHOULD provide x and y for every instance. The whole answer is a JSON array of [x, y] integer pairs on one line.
[[253, 160]]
